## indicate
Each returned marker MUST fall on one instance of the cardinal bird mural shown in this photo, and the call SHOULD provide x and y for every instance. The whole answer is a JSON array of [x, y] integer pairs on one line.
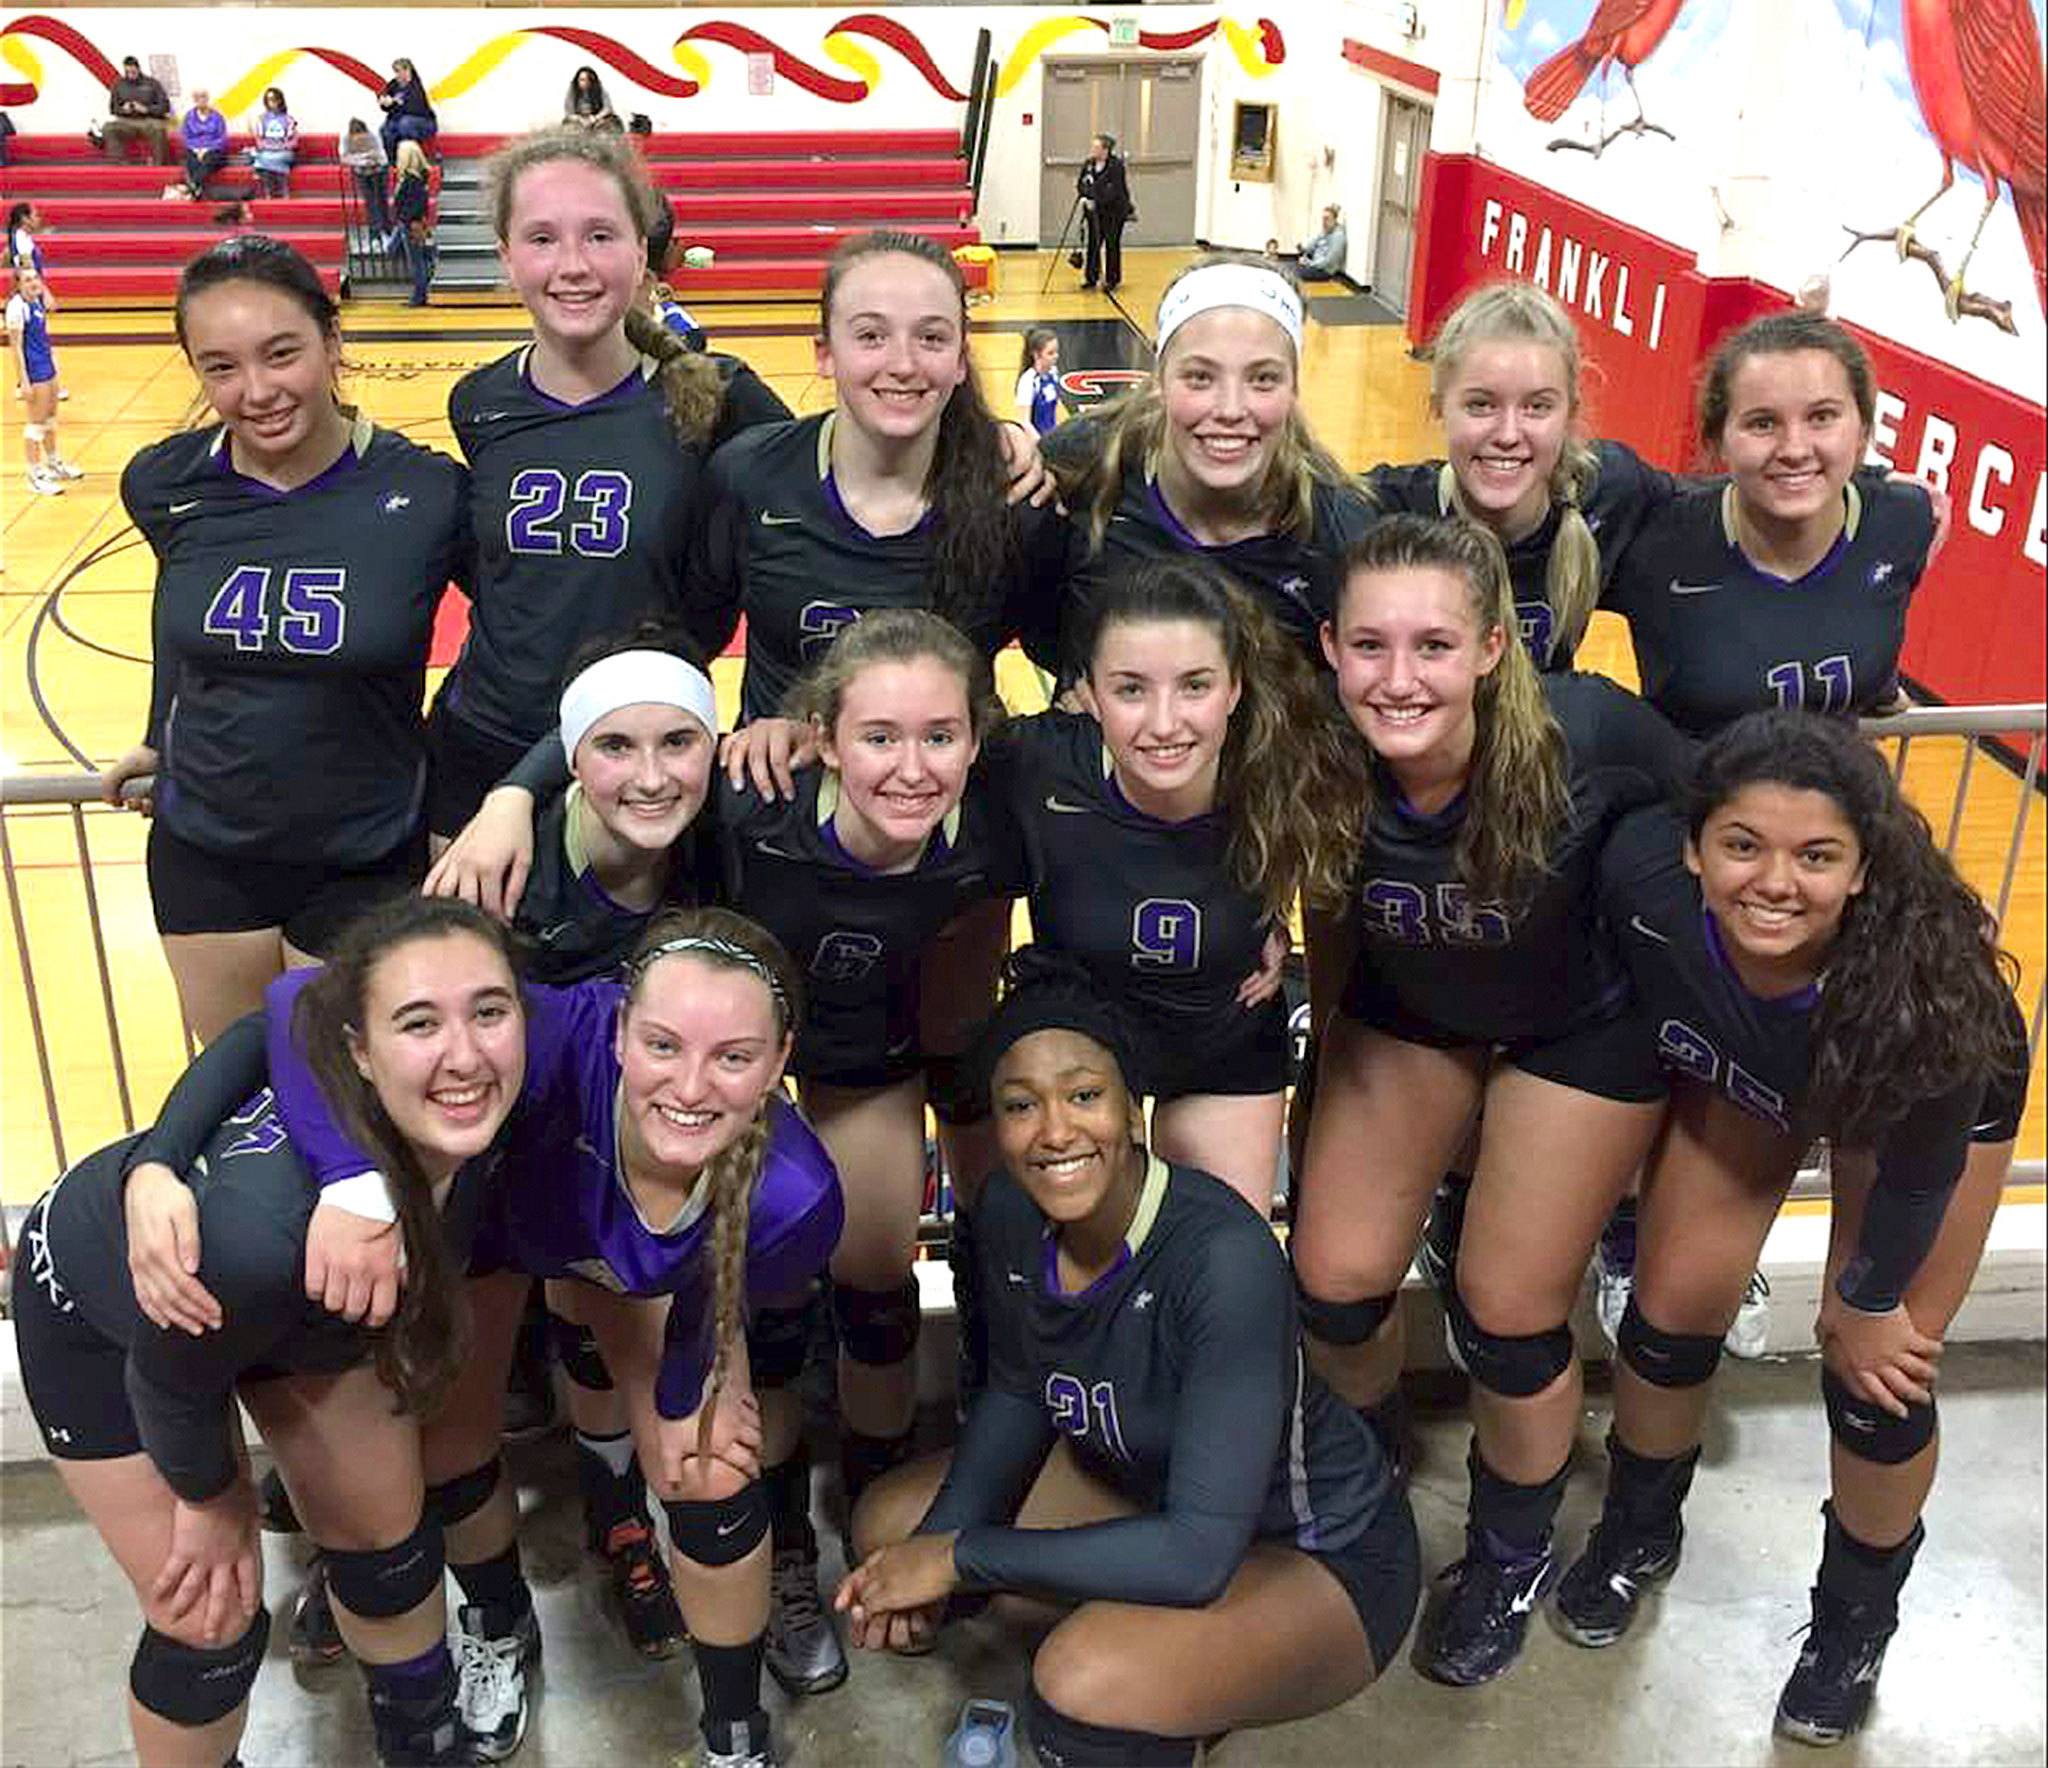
[[1623, 33], [1976, 70]]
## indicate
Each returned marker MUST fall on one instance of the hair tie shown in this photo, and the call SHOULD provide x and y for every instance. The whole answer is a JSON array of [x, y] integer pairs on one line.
[[684, 944], [634, 678], [1230, 285]]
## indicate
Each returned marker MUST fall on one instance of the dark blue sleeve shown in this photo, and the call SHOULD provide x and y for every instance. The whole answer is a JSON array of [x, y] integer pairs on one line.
[[1918, 1167], [543, 770], [220, 1080], [715, 584], [686, 1341], [1236, 1331]]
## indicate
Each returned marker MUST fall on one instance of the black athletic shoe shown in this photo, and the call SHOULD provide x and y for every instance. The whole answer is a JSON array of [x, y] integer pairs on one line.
[[313, 1639], [1437, 1255], [1828, 1693], [1597, 1599], [1476, 1632], [642, 1591]]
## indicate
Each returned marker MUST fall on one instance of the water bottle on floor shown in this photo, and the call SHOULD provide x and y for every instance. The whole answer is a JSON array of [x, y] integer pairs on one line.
[[986, 1737]]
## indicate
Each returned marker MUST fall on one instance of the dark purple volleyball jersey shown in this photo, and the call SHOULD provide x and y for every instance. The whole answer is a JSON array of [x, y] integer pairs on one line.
[[562, 1207], [1756, 1052]]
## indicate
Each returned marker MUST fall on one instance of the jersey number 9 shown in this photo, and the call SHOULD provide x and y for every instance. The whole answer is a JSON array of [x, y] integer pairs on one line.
[[1166, 934]]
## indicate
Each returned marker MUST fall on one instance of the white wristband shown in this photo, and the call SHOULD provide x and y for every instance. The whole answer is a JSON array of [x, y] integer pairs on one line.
[[364, 1194]]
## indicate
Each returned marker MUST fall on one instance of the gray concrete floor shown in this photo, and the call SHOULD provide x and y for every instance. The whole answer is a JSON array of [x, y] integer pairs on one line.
[[1695, 1685]]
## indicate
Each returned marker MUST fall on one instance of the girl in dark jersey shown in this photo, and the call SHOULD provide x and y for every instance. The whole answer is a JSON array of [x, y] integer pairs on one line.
[[1213, 456], [137, 1404], [896, 498], [1812, 965], [301, 553], [585, 448], [1504, 382], [882, 847], [1480, 977], [1152, 1448], [1161, 839], [1788, 585], [689, 1186]]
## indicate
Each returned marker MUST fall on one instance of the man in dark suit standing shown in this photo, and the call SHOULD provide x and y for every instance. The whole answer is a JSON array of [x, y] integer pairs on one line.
[[1105, 212]]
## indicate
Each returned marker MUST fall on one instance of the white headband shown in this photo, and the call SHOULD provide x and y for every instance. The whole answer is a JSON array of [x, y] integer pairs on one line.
[[634, 678], [1230, 285]]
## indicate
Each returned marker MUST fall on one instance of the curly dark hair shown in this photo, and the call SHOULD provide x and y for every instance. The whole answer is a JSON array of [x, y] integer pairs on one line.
[[1918, 995]]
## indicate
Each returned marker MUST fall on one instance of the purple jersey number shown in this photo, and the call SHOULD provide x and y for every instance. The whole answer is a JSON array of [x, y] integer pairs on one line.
[[312, 618], [1834, 691], [1075, 1407], [1166, 934], [598, 508]]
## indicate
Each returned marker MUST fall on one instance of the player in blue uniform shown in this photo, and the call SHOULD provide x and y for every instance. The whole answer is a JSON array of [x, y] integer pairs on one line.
[[35, 381], [585, 448], [1480, 976], [1038, 380], [300, 555], [1161, 838], [137, 1404], [1812, 965], [1788, 585], [896, 498], [692, 1188], [1504, 382], [1213, 456], [1152, 1448]]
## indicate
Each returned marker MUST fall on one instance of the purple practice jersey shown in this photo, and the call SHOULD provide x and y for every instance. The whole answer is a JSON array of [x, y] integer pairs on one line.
[[562, 1207]]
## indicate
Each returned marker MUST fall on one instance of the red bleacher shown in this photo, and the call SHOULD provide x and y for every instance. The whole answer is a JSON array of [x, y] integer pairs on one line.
[[771, 204]]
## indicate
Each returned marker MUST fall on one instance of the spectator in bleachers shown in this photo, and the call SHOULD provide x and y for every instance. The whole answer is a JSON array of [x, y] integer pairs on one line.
[[407, 114], [363, 154], [586, 106], [205, 133], [138, 107], [410, 209], [277, 143], [661, 232], [1322, 258]]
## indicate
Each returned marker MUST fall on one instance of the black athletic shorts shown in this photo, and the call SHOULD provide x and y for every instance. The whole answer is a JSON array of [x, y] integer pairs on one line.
[[1241, 1052], [1613, 1058], [73, 1374], [195, 891], [1382, 1574], [463, 763]]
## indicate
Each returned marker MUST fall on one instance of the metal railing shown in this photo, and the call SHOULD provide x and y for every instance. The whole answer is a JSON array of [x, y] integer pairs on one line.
[[41, 806]]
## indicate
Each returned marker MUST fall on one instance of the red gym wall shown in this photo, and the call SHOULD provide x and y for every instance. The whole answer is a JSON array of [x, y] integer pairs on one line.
[[1670, 182]]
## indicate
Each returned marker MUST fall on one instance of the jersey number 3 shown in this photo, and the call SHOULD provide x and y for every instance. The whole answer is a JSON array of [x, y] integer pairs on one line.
[[311, 616], [598, 509]]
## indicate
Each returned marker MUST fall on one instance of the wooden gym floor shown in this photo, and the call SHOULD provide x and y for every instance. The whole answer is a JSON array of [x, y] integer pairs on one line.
[[74, 631]]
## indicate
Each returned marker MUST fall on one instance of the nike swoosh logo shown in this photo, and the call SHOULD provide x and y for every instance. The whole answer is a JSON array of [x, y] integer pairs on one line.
[[1646, 930], [731, 1528], [1990, 1123], [774, 852], [178, 509], [773, 521], [1018, 1278], [1053, 801], [1678, 588]]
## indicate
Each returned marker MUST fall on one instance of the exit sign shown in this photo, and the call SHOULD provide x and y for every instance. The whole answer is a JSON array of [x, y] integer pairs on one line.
[[1123, 33]]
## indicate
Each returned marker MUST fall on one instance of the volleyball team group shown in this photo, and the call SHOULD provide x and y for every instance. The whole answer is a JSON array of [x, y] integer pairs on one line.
[[1564, 944]]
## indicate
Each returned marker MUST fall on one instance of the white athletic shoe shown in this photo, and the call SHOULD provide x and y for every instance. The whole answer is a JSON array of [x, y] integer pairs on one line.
[[1612, 1286], [1750, 1335], [44, 482], [65, 470], [493, 1667]]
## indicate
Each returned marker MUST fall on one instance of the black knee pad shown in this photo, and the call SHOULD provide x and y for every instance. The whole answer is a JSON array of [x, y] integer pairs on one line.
[[1063, 1742], [718, 1531], [1518, 1366], [464, 1495], [956, 1089], [877, 1326], [1666, 1359], [576, 1350], [381, 1582], [778, 1341], [196, 1684], [1343, 1322], [1868, 1431]]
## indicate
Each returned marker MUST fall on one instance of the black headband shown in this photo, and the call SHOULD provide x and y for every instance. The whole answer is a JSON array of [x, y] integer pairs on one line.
[[1050, 991]]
